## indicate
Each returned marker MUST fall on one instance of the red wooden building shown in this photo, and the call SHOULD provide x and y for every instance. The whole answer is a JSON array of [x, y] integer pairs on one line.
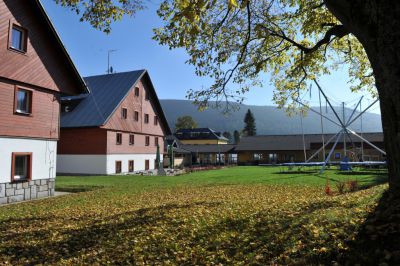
[[115, 129], [35, 70]]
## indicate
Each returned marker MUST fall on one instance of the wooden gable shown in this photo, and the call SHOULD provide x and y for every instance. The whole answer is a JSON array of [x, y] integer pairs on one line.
[[138, 103], [44, 63]]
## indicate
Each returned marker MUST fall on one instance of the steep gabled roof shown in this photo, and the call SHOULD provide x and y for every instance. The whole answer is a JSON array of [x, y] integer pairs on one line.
[[107, 93], [52, 29]]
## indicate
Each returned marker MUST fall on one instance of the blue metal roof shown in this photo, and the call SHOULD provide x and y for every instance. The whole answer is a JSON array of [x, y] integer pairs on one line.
[[107, 92]]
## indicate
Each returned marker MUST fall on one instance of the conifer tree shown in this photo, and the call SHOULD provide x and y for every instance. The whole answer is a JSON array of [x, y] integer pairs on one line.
[[250, 124]]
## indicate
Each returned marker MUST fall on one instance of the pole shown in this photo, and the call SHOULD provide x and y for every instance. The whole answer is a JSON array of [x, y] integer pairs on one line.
[[302, 132], [322, 148], [330, 153], [108, 61], [322, 125], [360, 114], [312, 110], [344, 135], [362, 141]]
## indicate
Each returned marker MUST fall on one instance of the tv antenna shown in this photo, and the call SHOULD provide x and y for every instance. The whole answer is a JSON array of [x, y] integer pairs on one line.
[[110, 69]]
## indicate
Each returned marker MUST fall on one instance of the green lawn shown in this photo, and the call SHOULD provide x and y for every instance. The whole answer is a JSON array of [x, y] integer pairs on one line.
[[227, 176], [240, 215]]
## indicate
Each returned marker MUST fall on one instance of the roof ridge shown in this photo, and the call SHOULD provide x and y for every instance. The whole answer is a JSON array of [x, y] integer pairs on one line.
[[125, 72]]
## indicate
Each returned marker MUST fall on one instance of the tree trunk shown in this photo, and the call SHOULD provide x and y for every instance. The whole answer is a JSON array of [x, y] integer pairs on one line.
[[376, 23]]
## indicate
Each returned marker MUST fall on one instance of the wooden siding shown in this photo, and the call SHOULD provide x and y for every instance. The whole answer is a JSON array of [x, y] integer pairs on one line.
[[43, 65], [42, 123], [138, 148], [82, 141], [133, 103]]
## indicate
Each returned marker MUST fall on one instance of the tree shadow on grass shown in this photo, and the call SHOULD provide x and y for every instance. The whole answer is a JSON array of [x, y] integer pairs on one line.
[[254, 239], [104, 232], [378, 240], [160, 234], [79, 188]]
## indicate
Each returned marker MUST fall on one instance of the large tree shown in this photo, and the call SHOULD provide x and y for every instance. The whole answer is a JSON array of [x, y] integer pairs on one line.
[[249, 124], [185, 122], [296, 41], [236, 137]]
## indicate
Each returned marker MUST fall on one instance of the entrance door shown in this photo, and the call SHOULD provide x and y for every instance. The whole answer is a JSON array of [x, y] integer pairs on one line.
[[147, 165]]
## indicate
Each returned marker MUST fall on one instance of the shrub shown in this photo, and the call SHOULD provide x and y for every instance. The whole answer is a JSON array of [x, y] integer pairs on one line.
[[352, 185], [341, 187]]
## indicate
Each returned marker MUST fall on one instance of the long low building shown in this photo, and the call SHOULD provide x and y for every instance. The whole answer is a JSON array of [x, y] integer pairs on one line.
[[272, 149], [212, 153]]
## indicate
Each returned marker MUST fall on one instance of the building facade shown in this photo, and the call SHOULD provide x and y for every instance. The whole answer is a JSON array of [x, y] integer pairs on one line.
[[35, 71], [200, 147], [114, 130], [275, 149]]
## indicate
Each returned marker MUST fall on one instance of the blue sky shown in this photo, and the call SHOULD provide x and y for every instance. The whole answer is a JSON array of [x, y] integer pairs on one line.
[[131, 37]]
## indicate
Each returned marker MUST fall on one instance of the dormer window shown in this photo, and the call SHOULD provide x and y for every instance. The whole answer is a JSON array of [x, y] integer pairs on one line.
[[18, 38], [23, 101]]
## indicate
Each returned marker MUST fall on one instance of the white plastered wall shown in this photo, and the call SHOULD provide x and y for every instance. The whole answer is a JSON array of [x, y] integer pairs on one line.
[[44, 154], [101, 164], [82, 164]]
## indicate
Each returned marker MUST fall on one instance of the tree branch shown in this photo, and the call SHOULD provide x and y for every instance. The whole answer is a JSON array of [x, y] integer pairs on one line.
[[337, 31]]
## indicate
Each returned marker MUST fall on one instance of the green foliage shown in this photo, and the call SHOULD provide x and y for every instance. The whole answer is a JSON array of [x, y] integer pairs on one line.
[[183, 122], [249, 124], [236, 136], [241, 215], [101, 14], [234, 42], [227, 135]]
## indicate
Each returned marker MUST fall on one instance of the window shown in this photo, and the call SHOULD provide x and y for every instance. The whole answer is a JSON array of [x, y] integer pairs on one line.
[[23, 101], [146, 164], [257, 156], [155, 120], [136, 116], [18, 38], [273, 157], [119, 138], [118, 167], [137, 91], [131, 139], [337, 155], [21, 168], [146, 118], [131, 166], [147, 141], [124, 113], [147, 96], [156, 141]]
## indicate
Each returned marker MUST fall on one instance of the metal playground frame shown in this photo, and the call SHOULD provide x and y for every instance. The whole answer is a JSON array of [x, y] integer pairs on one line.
[[344, 132]]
